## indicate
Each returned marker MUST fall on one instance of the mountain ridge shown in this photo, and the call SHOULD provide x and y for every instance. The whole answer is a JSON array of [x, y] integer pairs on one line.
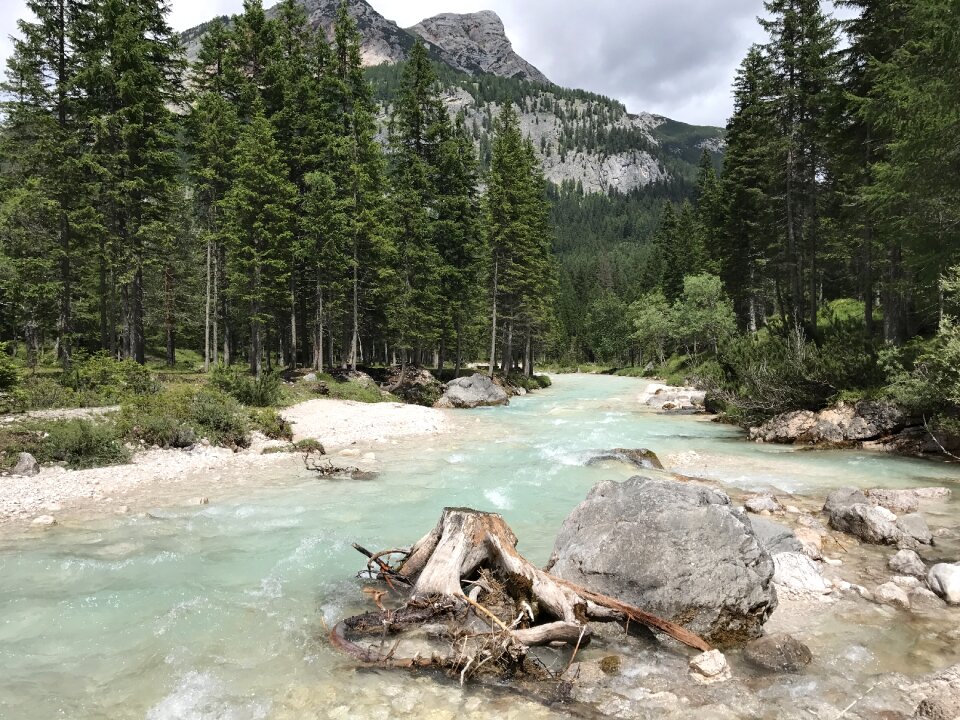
[[582, 138]]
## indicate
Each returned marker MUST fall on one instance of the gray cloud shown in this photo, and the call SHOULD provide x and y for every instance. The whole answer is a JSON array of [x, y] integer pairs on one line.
[[672, 57]]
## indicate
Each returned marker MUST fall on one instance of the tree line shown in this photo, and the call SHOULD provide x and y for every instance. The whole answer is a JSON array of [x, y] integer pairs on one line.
[[252, 205]]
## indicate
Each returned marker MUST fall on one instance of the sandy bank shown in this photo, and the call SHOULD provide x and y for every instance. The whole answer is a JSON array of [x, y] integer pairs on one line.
[[179, 474]]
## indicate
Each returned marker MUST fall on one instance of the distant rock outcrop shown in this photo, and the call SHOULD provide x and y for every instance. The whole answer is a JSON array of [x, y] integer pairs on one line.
[[476, 43]]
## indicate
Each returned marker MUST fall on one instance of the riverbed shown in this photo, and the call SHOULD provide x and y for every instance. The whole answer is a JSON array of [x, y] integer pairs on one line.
[[220, 611]]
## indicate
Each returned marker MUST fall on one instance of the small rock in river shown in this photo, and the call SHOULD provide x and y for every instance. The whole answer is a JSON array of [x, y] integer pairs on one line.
[[907, 562], [891, 594], [44, 521], [907, 582], [923, 599], [778, 653], [763, 504], [710, 667], [944, 580], [915, 526], [797, 573]]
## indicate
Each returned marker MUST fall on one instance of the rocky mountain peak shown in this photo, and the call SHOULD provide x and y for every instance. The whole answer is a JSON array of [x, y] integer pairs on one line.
[[382, 40], [476, 43]]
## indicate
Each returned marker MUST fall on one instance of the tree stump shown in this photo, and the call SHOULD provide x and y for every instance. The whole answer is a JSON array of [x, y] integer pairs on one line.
[[467, 569]]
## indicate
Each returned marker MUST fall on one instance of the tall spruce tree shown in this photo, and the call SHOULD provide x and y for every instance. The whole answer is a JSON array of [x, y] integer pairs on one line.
[[804, 87], [259, 208], [131, 79], [41, 139], [419, 130]]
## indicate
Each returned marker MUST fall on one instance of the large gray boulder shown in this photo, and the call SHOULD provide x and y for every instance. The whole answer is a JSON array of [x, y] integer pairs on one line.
[[474, 391], [678, 550]]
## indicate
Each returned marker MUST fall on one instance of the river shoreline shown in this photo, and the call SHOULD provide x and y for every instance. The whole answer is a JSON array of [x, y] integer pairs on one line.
[[351, 432]]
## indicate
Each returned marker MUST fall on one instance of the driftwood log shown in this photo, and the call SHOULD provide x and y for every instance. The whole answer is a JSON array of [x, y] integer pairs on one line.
[[491, 605]]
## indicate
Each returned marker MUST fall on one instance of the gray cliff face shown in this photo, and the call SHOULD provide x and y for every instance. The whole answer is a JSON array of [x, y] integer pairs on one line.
[[382, 40], [476, 42], [542, 120]]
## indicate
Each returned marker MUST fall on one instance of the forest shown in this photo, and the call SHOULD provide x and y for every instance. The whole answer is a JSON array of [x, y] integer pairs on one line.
[[244, 208], [820, 264], [273, 205]]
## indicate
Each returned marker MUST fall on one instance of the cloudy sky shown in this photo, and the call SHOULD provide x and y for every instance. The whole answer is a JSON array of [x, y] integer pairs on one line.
[[672, 57]]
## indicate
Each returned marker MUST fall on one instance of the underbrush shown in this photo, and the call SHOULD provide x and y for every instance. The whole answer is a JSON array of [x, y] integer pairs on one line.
[[79, 444], [530, 384], [264, 391], [181, 417]]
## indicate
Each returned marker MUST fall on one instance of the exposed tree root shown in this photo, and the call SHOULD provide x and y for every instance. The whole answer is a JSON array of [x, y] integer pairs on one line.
[[484, 602]]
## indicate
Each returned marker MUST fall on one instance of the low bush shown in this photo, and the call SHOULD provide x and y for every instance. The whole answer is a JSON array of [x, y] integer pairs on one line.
[[180, 417], [271, 424], [537, 382], [264, 391], [78, 443], [109, 379]]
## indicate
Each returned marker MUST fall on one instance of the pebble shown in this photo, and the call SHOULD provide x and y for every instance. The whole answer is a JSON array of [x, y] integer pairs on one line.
[[44, 521], [710, 667]]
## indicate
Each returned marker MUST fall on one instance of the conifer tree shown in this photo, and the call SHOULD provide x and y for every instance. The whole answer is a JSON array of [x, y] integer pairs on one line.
[[259, 208], [356, 168], [131, 78], [41, 138], [419, 129]]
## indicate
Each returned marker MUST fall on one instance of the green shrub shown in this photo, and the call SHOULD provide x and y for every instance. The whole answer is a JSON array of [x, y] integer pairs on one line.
[[78, 443], [85, 444], [309, 445], [220, 418], [271, 424], [180, 417], [42, 393], [543, 381], [9, 371], [264, 391], [109, 379]]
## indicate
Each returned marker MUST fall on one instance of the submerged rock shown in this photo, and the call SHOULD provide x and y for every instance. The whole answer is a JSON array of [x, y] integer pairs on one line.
[[640, 458], [907, 562], [471, 392], [892, 594], [944, 580], [778, 653], [679, 550]]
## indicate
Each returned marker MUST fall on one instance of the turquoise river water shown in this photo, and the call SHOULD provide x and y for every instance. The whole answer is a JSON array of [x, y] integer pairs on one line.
[[220, 612]]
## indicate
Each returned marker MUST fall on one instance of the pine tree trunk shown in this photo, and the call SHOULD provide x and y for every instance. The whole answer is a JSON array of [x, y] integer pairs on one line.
[[459, 360], [256, 341], [528, 354], [139, 339], [493, 328], [105, 340], [206, 314], [293, 321], [356, 313], [215, 340], [65, 323], [318, 329], [508, 350], [169, 319]]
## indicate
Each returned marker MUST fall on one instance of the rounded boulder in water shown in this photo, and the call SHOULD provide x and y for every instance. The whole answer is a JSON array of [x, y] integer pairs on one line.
[[678, 550]]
